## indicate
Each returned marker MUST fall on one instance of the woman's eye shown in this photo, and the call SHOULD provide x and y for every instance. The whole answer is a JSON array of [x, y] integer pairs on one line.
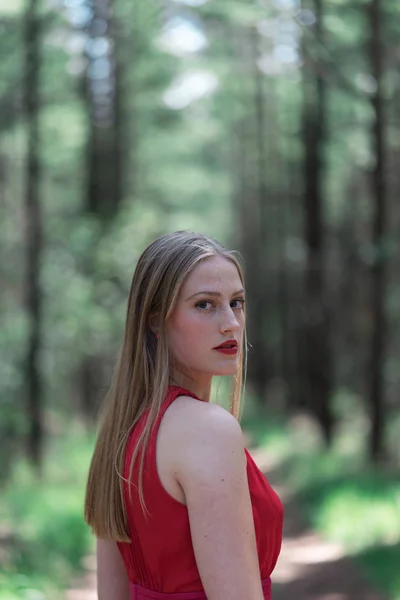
[[239, 302], [203, 304], [208, 304]]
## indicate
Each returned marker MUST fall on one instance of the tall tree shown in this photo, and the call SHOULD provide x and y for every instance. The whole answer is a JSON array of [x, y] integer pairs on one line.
[[252, 197], [104, 100], [317, 356], [262, 196], [33, 233], [378, 268], [105, 153]]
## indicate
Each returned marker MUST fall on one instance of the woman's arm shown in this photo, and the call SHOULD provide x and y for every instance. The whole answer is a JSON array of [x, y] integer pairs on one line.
[[112, 579], [210, 465]]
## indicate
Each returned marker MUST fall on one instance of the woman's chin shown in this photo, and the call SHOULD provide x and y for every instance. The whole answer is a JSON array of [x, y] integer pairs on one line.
[[226, 371]]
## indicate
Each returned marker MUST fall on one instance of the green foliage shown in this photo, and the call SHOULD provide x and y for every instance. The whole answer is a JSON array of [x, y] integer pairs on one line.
[[347, 506], [49, 537], [382, 566], [361, 510], [340, 495]]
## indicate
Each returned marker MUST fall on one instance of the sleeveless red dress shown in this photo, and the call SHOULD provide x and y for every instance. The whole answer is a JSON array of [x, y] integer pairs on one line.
[[160, 560]]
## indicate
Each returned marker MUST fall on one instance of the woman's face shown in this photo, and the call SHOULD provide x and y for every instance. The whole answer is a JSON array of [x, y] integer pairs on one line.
[[209, 312]]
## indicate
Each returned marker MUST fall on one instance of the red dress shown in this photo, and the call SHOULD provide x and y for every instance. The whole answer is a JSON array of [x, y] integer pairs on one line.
[[160, 559]]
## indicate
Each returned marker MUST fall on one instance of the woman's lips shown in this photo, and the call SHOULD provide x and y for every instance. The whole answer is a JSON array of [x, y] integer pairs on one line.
[[230, 348], [228, 351]]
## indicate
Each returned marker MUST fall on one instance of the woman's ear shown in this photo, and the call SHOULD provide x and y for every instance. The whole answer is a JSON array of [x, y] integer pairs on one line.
[[154, 323]]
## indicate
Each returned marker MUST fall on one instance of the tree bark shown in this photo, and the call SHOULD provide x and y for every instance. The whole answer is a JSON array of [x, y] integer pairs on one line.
[[317, 368], [104, 92], [378, 269], [34, 237], [262, 366], [248, 175]]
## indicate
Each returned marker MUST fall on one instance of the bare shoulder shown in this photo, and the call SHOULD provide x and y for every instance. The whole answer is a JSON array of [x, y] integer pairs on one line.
[[209, 464], [204, 439], [197, 425], [191, 435], [192, 409]]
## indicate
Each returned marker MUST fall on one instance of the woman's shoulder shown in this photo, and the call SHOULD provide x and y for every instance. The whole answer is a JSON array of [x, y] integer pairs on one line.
[[191, 415], [197, 431]]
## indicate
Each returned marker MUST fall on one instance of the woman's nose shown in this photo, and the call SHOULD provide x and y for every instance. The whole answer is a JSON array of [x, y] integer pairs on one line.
[[229, 321]]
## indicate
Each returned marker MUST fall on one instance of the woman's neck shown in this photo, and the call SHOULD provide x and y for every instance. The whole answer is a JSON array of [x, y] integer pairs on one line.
[[200, 386]]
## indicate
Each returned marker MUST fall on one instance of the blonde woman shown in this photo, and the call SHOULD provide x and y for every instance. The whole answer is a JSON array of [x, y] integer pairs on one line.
[[179, 508]]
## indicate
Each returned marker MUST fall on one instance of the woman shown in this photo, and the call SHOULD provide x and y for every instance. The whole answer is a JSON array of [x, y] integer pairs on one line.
[[179, 508]]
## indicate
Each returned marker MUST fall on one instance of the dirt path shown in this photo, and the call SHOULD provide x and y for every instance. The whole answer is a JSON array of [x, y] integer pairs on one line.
[[84, 588], [308, 568]]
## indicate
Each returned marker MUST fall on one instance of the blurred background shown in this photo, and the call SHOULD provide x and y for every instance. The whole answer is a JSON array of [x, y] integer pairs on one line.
[[273, 125]]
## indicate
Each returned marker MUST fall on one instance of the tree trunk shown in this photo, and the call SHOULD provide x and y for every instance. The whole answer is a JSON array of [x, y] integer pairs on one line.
[[33, 232], [317, 368], [247, 167], [104, 101], [261, 276], [116, 34], [378, 269]]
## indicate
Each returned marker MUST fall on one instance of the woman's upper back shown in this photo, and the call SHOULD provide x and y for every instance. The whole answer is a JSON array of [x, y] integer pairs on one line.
[[161, 555]]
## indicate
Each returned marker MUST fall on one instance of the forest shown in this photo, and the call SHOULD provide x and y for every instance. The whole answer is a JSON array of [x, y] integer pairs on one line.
[[271, 125]]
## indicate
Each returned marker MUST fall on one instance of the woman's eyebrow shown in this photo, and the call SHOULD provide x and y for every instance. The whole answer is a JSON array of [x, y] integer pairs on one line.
[[213, 293]]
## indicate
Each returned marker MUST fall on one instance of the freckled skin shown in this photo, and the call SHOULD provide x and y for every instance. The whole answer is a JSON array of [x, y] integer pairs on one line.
[[202, 321]]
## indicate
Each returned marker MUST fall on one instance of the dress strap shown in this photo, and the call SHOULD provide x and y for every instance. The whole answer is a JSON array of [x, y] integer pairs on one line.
[[174, 391], [140, 593]]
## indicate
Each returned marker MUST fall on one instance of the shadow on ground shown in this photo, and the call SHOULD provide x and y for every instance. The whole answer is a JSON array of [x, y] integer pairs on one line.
[[328, 580]]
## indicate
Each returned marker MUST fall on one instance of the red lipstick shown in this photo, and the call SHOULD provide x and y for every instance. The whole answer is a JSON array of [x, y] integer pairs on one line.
[[230, 347]]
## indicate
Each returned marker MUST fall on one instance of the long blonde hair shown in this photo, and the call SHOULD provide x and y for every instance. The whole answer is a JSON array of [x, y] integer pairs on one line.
[[141, 375]]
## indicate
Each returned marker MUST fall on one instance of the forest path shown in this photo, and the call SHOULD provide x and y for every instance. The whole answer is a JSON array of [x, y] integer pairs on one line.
[[310, 568]]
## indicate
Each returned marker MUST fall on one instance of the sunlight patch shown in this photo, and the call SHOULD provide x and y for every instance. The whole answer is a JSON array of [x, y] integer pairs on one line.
[[181, 36], [11, 8], [189, 87]]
